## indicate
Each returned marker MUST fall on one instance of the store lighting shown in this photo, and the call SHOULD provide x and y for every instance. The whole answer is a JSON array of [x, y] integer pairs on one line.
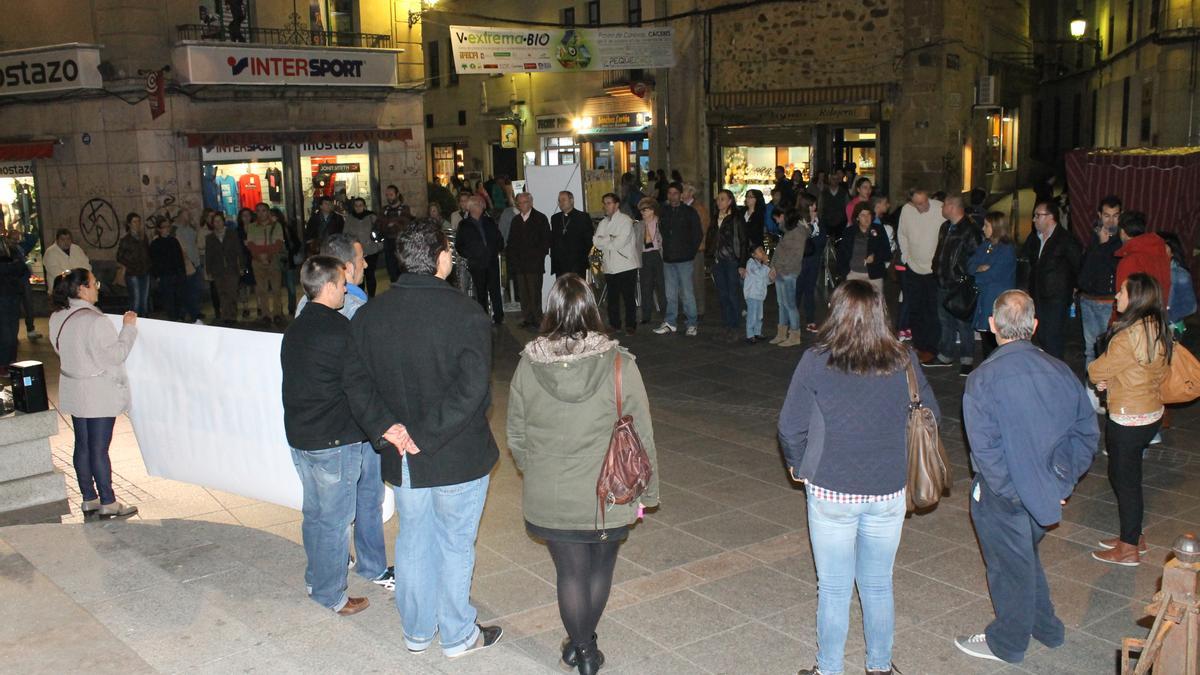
[[1078, 25], [581, 123], [414, 17]]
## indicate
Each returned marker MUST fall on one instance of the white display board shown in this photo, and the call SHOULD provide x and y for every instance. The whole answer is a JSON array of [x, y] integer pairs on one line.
[[544, 183], [207, 409]]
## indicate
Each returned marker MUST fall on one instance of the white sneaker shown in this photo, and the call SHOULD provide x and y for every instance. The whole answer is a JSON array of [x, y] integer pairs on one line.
[[691, 331], [33, 335], [975, 645], [664, 329]]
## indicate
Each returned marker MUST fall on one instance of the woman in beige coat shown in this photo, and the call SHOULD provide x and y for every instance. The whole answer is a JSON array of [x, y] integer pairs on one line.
[[92, 386]]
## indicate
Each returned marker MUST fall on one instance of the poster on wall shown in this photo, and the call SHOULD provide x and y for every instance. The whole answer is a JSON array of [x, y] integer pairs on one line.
[[513, 50]]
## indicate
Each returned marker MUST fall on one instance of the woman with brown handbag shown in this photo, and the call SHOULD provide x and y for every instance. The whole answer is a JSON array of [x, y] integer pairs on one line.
[[561, 408], [855, 473], [1132, 369]]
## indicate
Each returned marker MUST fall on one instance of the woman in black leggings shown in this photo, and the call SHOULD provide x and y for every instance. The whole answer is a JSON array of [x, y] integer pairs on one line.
[[561, 410]]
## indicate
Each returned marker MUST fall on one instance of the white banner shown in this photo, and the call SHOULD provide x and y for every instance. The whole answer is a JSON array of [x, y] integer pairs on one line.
[[513, 50], [237, 64], [208, 410], [33, 71]]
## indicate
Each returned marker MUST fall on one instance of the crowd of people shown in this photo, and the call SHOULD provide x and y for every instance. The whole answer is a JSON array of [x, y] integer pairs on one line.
[[360, 417]]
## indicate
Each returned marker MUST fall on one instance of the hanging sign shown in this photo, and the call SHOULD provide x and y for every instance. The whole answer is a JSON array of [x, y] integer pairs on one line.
[[514, 50], [33, 71], [340, 67], [155, 86]]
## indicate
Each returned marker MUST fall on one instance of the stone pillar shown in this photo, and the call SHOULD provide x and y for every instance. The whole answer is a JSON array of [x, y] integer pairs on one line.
[[27, 475]]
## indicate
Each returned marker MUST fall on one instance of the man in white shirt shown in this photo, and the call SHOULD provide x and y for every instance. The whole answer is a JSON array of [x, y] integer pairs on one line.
[[920, 222], [64, 255], [617, 237]]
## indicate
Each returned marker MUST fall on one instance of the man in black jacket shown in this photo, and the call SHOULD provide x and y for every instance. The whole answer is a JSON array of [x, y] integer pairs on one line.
[[682, 236], [322, 224], [326, 441], [957, 241], [478, 240], [438, 385], [1054, 255], [1097, 278], [570, 238], [528, 243]]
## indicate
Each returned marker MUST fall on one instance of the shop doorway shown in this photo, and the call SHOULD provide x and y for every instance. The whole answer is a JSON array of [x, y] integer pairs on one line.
[[504, 162], [857, 146]]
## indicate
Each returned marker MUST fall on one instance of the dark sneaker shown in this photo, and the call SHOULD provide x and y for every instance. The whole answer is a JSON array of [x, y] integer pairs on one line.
[[975, 645], [387, 579], [488, 636]]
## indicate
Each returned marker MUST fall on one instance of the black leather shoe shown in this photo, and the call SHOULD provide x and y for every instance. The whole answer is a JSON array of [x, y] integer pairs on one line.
[[588, 658], [570, 656]]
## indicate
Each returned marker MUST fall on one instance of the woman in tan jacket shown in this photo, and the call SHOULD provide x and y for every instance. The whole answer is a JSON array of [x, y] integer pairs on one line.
[[1132, 369], [92, 386]]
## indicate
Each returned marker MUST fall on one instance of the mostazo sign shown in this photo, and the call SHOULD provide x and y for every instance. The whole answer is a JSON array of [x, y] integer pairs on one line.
[[31, 71], [211, 64]]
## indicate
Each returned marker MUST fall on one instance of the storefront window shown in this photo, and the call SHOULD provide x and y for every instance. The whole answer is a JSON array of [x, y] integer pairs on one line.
[[332, 21], [18, 208], [236, 177], [639, 156], [448, 160], [1002, 130], [224, 20], [558, 150], [341, 171], [745, 167]]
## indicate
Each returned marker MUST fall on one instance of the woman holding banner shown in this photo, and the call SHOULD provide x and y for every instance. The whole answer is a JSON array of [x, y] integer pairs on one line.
[[92, 386]]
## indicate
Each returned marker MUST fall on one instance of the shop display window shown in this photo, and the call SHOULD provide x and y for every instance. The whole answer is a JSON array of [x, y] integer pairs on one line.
[[746, 167], [448, 162], [19, 210], [557, 150], [242, 177], [1002, 133], [341, 171]]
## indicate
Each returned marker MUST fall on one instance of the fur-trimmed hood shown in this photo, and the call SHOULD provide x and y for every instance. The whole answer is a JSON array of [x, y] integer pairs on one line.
[[572, 370]]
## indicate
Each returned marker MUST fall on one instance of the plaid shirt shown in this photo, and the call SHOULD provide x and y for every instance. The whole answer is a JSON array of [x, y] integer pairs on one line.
[[818, 492]]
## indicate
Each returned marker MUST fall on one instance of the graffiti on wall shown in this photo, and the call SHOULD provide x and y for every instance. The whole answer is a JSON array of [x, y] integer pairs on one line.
[[98, 223]]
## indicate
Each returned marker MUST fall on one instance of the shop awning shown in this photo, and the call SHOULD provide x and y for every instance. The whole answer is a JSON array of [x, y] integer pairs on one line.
[[26, 150], [208, 139]]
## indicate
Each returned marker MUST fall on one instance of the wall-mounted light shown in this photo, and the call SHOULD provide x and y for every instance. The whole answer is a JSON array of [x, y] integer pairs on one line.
[[1078, 25], [581, 123], [414, 16]]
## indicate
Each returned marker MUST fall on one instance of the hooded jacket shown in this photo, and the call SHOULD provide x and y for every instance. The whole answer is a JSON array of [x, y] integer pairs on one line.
[[561, 410], [1146, 253]]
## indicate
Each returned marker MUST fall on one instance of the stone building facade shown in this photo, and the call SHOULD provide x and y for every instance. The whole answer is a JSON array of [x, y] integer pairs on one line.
[[269, 102]]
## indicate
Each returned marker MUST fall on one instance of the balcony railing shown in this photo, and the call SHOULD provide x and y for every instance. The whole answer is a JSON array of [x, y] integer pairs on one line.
[[291, 36]]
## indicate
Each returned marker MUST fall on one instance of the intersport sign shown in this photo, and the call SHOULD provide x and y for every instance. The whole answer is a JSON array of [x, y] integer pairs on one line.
[[222, 64], [48, 69]]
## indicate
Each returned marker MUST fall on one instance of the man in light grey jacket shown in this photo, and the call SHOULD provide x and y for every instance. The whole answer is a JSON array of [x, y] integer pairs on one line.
[[618, 238]]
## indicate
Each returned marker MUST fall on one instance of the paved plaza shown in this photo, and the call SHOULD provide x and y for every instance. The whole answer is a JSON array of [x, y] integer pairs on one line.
[[719, 580]]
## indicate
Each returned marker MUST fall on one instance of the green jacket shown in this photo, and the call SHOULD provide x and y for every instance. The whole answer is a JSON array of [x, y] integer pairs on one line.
[[561, 411]]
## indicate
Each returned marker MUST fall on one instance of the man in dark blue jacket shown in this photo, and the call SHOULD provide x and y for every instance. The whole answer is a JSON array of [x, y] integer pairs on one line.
[[1024, 474]]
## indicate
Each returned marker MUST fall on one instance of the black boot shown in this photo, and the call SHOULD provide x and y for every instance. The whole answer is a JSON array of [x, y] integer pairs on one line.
[[588, 657], [570, 657]]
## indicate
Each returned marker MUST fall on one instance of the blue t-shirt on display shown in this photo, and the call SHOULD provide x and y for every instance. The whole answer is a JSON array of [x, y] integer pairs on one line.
[[209, 191], [229, 195]]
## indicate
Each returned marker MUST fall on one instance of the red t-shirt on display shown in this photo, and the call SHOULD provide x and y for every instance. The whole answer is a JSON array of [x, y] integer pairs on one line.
[[250, 191]]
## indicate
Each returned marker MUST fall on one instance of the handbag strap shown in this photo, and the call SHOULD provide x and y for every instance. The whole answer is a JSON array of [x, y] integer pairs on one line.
[[617, 366], [64, 325], [914, 394]]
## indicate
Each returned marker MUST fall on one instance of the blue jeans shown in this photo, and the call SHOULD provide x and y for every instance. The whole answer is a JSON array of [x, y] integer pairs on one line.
[[330, 478], [93, 469], [785, 293], [754, 316], [679, 282], [854, 543], [1008, 538], [1094, 316], [435, 559], [952, 327], [139, 293], [725, 274]]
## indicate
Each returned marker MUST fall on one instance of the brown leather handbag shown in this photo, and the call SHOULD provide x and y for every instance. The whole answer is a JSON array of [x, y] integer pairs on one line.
[[626, 471], [1182, 384], [928, 469]]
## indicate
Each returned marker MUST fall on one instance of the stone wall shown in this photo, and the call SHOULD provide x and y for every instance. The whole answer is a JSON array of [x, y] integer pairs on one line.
[[810, 43]]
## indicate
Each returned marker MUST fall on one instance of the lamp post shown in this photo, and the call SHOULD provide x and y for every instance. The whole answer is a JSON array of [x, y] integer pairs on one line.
[[1078, 29]]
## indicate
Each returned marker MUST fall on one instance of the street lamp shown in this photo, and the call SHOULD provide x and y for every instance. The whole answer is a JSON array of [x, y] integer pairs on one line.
[[1078, 25], [414, 17]]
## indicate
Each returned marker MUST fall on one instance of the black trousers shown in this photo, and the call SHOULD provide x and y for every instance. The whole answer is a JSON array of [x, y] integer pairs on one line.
[[622, 289], [921, 295], [1124, 446], [1009, 538], [10, 325], [529, 291], [487, 286], [1051, 335], [389, 259], [369, 278]]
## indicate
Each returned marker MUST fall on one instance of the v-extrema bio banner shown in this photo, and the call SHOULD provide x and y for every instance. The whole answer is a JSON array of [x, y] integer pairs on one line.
[[207, 409], [514, 50]]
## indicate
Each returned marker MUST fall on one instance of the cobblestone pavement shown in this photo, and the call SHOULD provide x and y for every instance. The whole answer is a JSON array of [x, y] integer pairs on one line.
[[720, 579]]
